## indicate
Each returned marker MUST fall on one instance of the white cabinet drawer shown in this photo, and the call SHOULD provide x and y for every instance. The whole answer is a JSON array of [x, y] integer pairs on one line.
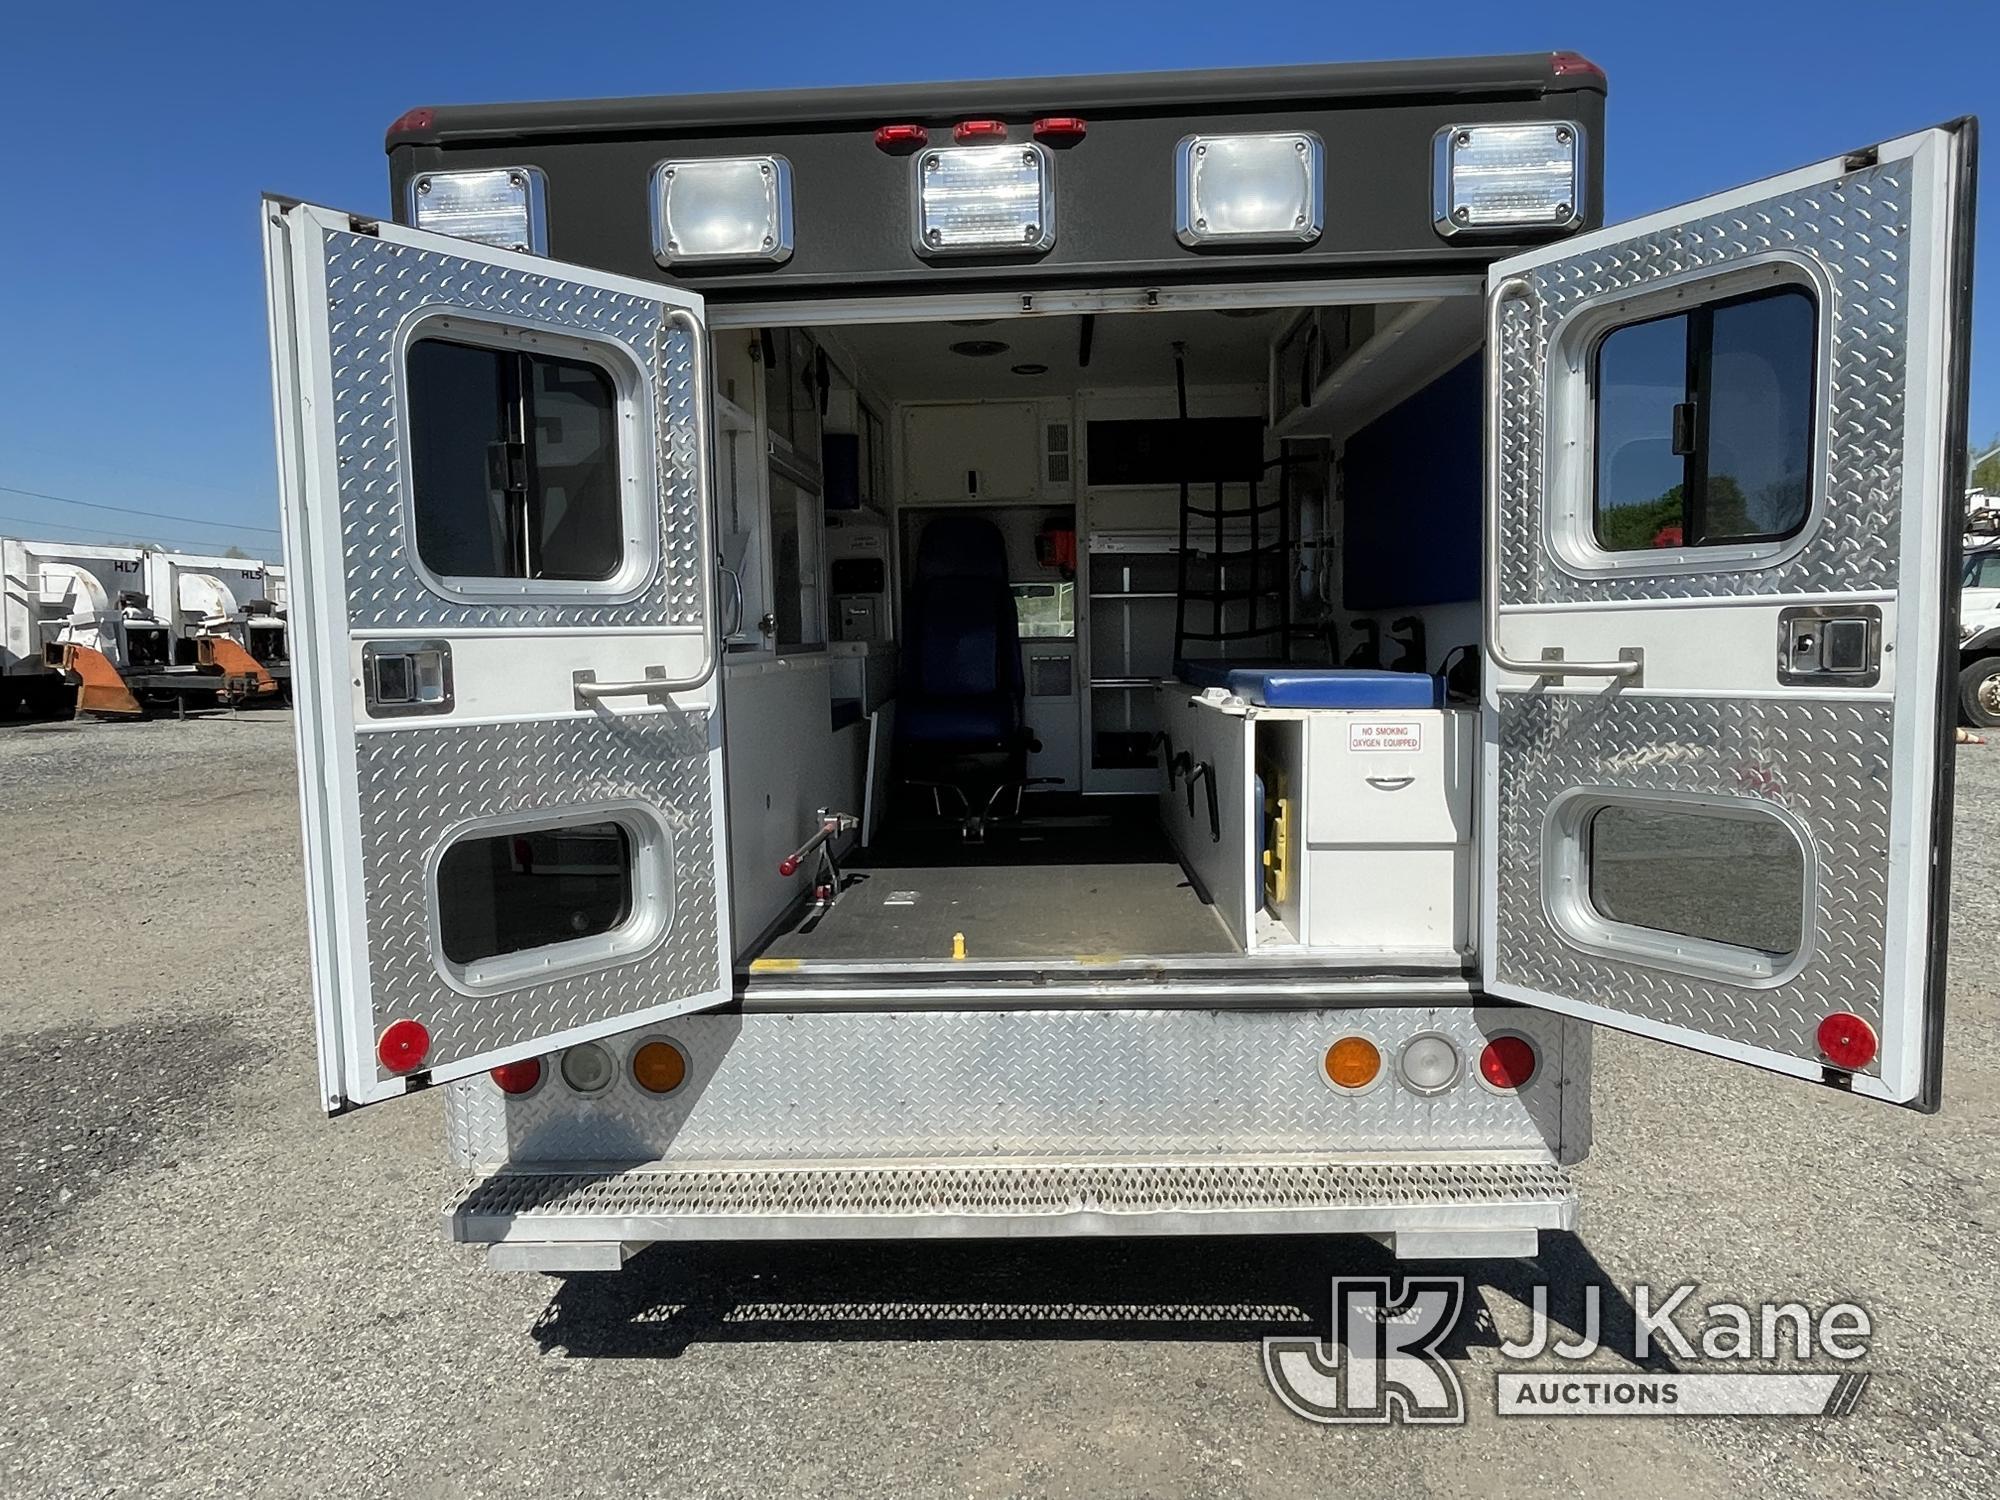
[[1390, 778]]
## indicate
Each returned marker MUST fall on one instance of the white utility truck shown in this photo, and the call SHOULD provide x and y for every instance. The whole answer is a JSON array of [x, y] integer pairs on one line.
[[75, 618], [1308, 621]]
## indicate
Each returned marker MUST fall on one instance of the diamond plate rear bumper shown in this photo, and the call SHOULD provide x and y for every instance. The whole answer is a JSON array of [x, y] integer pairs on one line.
[[1440, 1207]]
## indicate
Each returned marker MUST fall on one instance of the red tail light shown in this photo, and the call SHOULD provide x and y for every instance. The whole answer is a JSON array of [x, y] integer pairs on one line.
[[1575, 65], [1060, 130], [1507, 1062], [410, 122], [979, 130], [403, 1046], [518, 1077], [901, 137], [1848, 1041]]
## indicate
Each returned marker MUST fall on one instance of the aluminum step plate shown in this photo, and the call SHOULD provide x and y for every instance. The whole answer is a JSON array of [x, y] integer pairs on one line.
[[1011, 1199]]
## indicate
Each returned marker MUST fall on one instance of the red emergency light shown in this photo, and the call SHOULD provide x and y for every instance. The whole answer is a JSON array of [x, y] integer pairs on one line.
[[518, 1077], [967, 132]]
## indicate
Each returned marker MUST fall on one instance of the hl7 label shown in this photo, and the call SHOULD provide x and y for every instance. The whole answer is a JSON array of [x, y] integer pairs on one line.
[[1385, 734]]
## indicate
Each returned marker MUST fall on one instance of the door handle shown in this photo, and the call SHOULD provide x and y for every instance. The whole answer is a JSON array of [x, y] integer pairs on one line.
[[1391, 783], [1512, 289]]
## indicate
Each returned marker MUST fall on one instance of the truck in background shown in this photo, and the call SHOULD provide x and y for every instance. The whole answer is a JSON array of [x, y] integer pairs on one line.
[[121, 631]]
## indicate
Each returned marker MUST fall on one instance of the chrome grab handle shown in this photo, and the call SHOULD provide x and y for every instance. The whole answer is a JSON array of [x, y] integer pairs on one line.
[[1507, 291], [1391, 783], [654, 685]]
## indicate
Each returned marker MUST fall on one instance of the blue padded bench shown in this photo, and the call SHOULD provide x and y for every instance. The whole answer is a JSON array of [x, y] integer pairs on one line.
[[1317, 687]]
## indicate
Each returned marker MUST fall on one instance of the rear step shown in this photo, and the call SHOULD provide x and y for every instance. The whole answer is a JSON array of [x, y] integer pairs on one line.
[[593, 1221]]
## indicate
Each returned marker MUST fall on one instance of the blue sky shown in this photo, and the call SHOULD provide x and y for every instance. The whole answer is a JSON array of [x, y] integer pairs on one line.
[[139, 137]]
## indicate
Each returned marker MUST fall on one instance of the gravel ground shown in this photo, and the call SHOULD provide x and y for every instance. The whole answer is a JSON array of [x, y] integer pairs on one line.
[[211, 1290]]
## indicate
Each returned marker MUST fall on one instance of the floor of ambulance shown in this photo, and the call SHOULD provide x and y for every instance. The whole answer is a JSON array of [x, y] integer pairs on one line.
[[1072, 886]]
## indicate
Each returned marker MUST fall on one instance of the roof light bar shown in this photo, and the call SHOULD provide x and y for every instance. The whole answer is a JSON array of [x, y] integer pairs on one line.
[[504, 206]]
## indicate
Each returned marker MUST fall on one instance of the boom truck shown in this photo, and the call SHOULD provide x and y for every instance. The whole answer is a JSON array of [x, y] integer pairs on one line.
[[1309, 621]]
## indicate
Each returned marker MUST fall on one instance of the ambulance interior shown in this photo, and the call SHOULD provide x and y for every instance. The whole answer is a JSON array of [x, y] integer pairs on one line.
[[1120, 637]]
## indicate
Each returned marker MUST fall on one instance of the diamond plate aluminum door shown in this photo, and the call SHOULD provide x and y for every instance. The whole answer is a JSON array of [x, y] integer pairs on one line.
[[510, 771], [1717, 766]]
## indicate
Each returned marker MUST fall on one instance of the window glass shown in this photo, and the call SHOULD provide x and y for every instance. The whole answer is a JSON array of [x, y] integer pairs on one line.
[[1704, 425], [795, 565], [1982, 570], [513, 464], [533, 887], [1734, 880], [1045, 609]]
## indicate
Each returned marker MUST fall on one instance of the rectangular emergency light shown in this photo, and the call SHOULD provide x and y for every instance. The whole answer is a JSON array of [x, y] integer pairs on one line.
[[983, 200], [1250, 189], [504, 206], [722, 208], [1508, 177]]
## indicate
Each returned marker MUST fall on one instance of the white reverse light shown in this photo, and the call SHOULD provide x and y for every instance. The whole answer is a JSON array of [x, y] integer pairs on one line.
[[504, 206], [587, 1068], [983, 199], [1237, 189], [1501, 177], [722, 208], [1429, 1063]]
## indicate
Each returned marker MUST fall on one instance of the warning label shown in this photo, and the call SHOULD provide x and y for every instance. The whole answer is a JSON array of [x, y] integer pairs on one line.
[[1385, 734]]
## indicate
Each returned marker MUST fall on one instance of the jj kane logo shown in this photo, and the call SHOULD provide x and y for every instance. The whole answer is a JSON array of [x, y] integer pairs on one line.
[[1383, 1363]]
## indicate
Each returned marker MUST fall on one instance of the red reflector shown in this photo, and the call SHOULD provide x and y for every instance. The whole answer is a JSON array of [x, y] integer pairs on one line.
[[403, 1045], [1848, 1041], [410, 122], [1574, 65], [1060, 130], [1507, 1062], [902, 137], [518, 1077], [980, 130]]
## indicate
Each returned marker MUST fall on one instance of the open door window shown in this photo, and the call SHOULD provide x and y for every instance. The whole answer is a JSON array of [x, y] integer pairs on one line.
[[1725, 449], [495, 475]]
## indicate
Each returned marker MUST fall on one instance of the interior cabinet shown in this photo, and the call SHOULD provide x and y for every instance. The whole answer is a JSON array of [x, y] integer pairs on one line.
[[971, 451]]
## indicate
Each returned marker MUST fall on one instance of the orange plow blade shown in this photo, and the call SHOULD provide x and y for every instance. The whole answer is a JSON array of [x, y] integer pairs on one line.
[[238, 665], [100, 688]]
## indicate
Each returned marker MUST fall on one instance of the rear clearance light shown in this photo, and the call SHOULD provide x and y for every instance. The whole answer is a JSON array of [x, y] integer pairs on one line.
[[722, 208], [901, 137], [1429, 1063], [504, 206], [403, 1046], [587, 1068], [983, 200], [1497, 178], [410, 122], [979, 132], [1352, 1063], [1060, 130], [518, 1077], [659, 1067], [1250, 189], [1507, 1062], [1575, 65], [1847, 1041]]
